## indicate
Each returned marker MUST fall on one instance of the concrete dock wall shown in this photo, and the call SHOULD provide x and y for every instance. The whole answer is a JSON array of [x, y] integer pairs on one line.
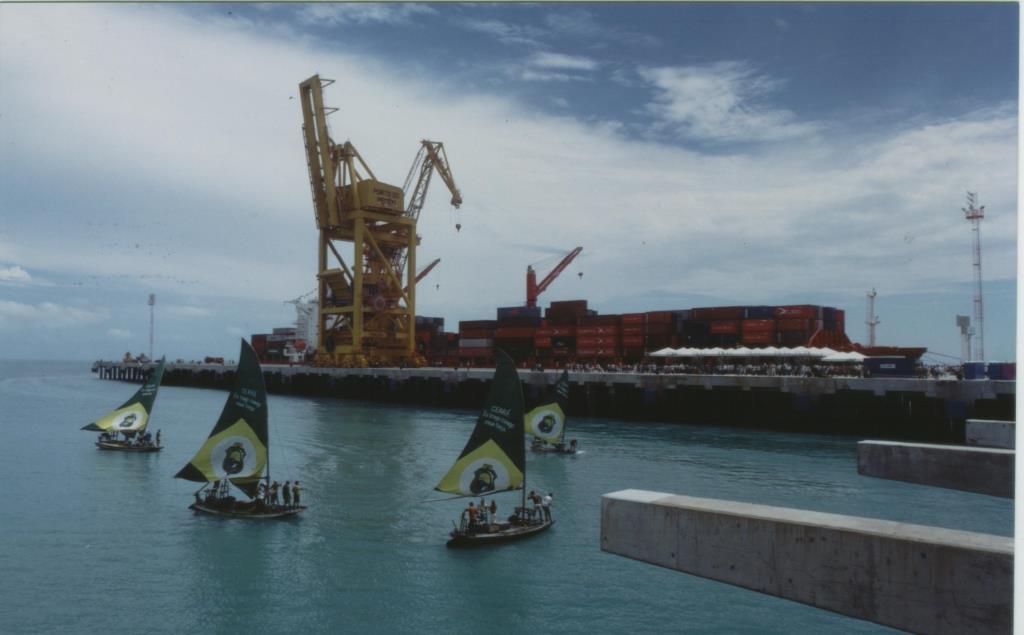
[[991, 434], [891, 408], [910, 577], [971, 469]]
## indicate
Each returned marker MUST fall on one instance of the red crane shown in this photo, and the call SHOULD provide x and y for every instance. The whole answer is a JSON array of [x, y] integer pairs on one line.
[[533, 289]]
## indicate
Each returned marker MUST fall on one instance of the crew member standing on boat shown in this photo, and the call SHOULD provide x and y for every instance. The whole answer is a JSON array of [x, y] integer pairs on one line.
[[494, 512], [157, 438], [287, 493], [546, 506], [295, 493], [535, 497], [273, 493], [471, 512]]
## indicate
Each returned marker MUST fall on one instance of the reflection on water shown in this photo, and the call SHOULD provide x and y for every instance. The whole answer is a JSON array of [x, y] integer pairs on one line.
[[369, 555]]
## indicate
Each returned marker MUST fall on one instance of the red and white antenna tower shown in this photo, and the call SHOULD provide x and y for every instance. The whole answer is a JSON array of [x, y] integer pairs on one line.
[[974, 214]]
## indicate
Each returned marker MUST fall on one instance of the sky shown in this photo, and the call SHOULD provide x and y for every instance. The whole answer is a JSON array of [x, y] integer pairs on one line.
[[702, 154]]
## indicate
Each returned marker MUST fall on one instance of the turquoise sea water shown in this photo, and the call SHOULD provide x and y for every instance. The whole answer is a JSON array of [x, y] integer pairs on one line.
[[95, 541]]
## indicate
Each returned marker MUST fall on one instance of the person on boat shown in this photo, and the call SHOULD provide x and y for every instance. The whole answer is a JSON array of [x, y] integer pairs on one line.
[[494, 512], [572, 444], [535, 497], [287, 493], [295, 494], [546, 506], [157, 438], [273, 493], [261, 492], [471, 513]]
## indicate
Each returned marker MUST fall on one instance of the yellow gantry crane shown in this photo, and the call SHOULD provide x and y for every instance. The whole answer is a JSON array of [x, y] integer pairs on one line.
[[367, 312]]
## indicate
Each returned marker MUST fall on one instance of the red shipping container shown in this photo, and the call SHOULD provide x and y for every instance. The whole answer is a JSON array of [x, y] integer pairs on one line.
[[717, 313], [634, 318], [514, 331], [542, 342], [563, 331], [476, 352], [590, 331], [475, 333], [659, 317], [659, 328], [632, 340], [730, 326], [754, 325], [794, 324], [633, 329], [808, 311], [544, 331], [596, 342], [759, 337], [478, 324], [599, 320], [596, 352]]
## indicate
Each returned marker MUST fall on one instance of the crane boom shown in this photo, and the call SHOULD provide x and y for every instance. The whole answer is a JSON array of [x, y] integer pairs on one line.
[[533, 289], [423, 274], [430, 158]]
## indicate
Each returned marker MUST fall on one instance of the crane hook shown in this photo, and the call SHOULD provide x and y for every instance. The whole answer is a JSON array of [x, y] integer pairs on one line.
[[581, 275], [458, 227]]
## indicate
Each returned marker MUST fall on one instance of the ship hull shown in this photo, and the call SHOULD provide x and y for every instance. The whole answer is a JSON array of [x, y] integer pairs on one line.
[[507, 533], [118, 446], [246, 511]]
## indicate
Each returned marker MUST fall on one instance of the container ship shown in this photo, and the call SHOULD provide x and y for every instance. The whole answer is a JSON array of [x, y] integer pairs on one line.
[[569, 332]]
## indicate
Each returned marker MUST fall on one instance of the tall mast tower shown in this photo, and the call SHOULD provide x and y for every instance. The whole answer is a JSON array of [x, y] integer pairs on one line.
[[152, 301], [872, 320], [974, 214]]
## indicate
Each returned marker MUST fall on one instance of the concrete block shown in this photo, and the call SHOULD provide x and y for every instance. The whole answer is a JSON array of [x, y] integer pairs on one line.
[[971, 469], [993, 434], [910, 577]]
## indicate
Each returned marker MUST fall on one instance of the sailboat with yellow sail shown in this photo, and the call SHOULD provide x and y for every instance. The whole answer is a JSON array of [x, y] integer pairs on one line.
[[546, 423], [124, 428], [494, 461], [237, 452]]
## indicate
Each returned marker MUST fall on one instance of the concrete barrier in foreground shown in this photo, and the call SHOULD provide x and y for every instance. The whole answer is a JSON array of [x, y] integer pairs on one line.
[[971, 469], [910, 577], [991, 433]]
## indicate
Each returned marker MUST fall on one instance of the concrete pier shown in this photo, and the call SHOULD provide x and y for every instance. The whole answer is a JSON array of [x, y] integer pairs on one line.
[[991, 434], [970, 469], [894, 408], [910, 577]]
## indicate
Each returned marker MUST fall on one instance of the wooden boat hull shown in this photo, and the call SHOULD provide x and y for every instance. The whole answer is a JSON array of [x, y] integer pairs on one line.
[[512, 532], [121, 447], [235, 512]]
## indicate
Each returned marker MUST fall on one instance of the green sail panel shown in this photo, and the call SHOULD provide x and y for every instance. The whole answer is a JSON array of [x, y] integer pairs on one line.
[[494, 459], [237, 447], [133, 415], [547, 422]]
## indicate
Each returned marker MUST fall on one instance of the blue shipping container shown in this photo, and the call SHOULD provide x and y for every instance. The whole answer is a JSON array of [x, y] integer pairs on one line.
[[974, 370], [758, 312]]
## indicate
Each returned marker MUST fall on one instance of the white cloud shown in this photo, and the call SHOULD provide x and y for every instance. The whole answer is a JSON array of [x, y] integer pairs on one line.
[[119, 333], [187, 311], [790, 219], [504, 32], [560, 61], [236, 331], [48, 315], [530, 75], [333, 14], [14, 274], [724, 101]]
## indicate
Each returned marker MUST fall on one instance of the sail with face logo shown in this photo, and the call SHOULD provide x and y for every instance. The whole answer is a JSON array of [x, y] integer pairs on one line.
[[237, 448], [133, 415], [547, 422], [494, 459]]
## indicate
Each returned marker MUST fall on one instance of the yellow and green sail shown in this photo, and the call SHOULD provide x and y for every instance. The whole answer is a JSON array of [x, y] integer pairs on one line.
[[133, 415], [494, 459], [238, 445], [547, 422]]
